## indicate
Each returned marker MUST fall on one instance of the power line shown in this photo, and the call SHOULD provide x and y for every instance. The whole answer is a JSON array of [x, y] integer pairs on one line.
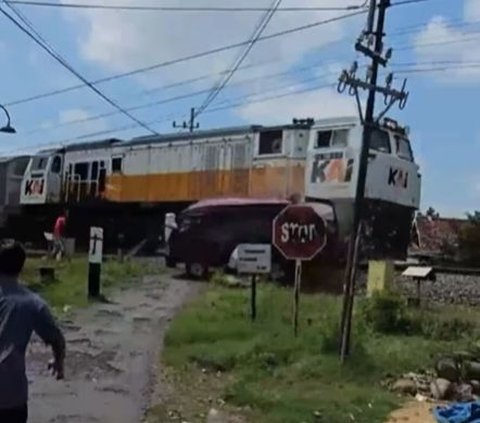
[[436, 62], [273, 97], [66, 65], [405, 2], [407, 30], [462, 39], [187, 58], [454, 23], [201, 78], [257, 33], [181, 97], [149, 91], [165, 119], [179, 8], [176, 61], [153, 103], [171, 116], [439, 69], [399, 67], [399, 31]]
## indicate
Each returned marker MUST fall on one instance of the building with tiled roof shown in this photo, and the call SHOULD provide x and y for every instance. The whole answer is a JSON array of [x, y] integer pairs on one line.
[[436, 238]]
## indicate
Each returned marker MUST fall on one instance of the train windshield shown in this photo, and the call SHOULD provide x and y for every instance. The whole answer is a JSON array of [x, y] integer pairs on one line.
[[39, 163], [404, 150], [380, 141]]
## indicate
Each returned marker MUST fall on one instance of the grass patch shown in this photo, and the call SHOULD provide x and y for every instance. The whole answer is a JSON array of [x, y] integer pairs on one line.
[[282, 379], [70, 287]]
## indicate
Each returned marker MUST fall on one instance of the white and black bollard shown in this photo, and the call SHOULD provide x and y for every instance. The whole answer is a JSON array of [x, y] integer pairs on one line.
[[95, 256]]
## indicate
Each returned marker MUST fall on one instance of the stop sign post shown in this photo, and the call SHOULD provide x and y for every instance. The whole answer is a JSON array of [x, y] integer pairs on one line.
[[300, 234]]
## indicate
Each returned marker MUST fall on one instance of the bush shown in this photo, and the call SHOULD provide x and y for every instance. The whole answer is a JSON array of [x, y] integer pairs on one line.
[[442, 329], [386, 312], [330, 334]]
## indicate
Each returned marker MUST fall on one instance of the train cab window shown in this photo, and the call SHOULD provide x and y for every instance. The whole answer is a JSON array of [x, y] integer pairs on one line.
[[117, 165], [380, 141], [404, 150], [336, 139], [81, 170], [270, 143], [56, 164], [39, 163], [323, 139], [340, 138]]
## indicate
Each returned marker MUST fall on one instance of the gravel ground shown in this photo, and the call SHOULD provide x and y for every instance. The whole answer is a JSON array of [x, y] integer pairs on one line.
[[112, 353], [453, 289]]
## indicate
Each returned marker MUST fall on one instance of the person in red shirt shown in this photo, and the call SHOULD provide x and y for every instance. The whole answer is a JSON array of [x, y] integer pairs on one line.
[[59, 236]]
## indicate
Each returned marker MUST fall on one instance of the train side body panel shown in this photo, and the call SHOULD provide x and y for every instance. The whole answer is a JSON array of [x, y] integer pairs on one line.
[[182, 172], [249, 163]]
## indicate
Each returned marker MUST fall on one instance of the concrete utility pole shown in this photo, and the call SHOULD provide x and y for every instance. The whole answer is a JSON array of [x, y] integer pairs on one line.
[[190, 125], [348, 78]]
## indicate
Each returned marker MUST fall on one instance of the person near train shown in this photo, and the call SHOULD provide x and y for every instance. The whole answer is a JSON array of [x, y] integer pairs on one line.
[[21, 313], [58, 250]]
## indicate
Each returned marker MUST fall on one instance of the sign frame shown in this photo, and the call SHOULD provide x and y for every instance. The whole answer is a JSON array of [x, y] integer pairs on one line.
[[318, 250], [95, 252], [254, 259]]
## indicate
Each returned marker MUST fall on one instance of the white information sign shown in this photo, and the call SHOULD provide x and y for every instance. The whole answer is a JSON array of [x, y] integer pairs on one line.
[[96, 245], [254, 259]]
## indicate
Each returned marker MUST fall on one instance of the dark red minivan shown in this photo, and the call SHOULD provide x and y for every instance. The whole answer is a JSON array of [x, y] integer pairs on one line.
[[209, 231]]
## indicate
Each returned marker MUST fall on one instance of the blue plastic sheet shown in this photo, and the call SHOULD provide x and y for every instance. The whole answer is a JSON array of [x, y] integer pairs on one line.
[[458, 413]]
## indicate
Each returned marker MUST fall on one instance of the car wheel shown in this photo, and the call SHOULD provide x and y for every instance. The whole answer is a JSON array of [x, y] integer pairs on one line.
[[196, 270]]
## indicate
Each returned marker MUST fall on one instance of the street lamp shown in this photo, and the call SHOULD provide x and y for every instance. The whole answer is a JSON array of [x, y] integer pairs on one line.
[[8, 128]]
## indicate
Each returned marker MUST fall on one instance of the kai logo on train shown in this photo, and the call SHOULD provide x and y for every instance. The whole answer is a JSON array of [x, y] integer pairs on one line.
[[398, 178], [34, 187]]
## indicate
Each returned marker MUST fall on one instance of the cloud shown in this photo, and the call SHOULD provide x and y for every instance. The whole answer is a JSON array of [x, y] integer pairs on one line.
[[440, 42], [324, 103], [121, 41], [72, 115], [472, 10]]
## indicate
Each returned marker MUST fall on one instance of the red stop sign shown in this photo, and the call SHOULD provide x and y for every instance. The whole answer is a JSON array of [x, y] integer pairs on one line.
[[299, 232]]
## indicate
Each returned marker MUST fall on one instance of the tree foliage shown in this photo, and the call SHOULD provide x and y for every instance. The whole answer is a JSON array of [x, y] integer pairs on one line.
[[431, 212]]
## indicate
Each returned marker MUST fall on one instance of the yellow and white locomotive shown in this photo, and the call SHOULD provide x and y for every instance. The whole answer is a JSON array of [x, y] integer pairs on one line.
[[132, 184]]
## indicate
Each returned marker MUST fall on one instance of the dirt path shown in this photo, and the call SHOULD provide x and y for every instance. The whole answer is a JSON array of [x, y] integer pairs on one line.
[[112, 351], [413, 412]]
